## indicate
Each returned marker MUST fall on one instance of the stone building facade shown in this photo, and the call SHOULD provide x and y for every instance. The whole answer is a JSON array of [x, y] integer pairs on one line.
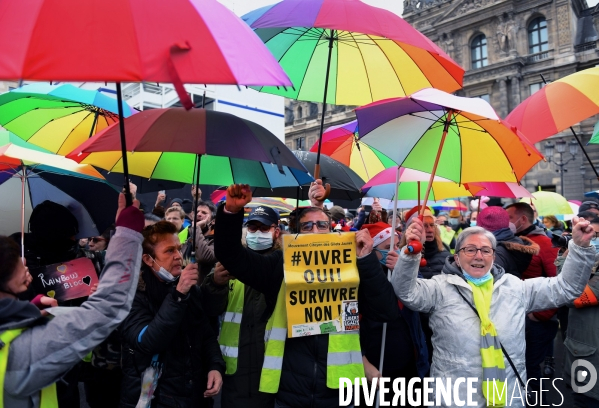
[[505, 46]]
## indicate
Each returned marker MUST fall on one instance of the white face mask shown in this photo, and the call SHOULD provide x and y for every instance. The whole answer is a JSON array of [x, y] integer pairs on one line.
[[513, 228], [164, 274], [259, 241]]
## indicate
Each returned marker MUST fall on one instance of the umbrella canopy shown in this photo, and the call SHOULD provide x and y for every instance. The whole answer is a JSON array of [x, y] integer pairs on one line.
[[185, 41], [558, 105], [345, 183], [595, 135], [197, 131], [474, 145], [449, 205], [25, 168], [412, 186], [371, 53], [342, 144], [167, 142], [499, 189], [57, 117], [548, 203]]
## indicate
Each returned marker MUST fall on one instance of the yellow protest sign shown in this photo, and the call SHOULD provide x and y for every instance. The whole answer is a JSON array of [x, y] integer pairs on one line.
[[321, 278]]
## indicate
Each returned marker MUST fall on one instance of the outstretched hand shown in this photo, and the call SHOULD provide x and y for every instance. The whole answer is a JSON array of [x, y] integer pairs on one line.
[[129, 217], [582, 232], [364, 243], [415, 231], [317, 194], [238, 196]]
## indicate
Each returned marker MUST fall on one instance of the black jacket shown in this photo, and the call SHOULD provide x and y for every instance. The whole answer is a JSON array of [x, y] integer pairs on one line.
[[303, 378], [178, 331], [514, 253], [435, 260]]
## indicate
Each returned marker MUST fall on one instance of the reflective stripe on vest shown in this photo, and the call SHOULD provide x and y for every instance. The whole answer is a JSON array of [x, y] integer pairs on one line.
[[344, 356], [48, 397], [229, 334]]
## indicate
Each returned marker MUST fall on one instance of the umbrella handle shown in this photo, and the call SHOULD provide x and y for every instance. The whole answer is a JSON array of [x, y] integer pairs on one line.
[[327, 186], [415, 247]]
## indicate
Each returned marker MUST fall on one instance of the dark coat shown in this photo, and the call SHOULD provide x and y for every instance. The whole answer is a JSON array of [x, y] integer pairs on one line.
[[303, 377], [515, 253], [435, 260], [164, 322]]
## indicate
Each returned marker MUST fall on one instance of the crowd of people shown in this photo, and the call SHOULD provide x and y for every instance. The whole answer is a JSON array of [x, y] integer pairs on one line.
[[190, 306]]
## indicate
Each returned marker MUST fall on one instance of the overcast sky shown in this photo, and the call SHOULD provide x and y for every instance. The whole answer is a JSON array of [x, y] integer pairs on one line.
[[241, 7]]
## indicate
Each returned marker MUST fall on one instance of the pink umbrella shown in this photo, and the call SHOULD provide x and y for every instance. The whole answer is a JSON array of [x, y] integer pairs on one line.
[[499, 189]]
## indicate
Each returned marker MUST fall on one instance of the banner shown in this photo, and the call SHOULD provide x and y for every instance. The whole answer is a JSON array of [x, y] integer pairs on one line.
[[65, 281], [321, 278]]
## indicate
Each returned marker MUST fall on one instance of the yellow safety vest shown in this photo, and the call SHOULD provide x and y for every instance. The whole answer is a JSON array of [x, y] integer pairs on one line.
[[344, 357], [183, 235], [48, 398], [231, 323]]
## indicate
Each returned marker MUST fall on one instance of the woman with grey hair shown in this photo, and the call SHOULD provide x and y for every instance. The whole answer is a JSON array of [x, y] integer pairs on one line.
[[476, 310]]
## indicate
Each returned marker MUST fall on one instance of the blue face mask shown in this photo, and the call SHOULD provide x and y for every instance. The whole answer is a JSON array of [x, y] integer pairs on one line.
[[473, 223], [478, 281], [595, 243], [384, 253]]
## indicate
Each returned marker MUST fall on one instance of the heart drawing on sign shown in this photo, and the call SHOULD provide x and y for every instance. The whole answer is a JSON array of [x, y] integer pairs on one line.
[[51, 293], [61, 268], [87, 280]]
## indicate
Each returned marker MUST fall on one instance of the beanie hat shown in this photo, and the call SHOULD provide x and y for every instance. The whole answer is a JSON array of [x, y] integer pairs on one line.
[[176, 200], [379, 232], [413, 213], [50, 219], [493, 219], [337, 213]]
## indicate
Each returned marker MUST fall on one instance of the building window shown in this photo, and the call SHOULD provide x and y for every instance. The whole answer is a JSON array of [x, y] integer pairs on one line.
[[485, 97], [535, 87], [537, 36], [300, 113], [478, 52], [311, 141], [300, 143]]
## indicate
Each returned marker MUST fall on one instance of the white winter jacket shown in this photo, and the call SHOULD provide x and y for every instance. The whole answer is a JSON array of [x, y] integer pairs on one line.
[[456, 327]]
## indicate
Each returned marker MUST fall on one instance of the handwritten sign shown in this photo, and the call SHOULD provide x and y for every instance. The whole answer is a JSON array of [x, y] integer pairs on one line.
[[321, 278], [65, 281]]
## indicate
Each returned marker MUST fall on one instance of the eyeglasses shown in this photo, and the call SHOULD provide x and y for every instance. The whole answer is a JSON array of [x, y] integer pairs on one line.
[[309, 225], [262, 227], [471, 251], [96, 239]]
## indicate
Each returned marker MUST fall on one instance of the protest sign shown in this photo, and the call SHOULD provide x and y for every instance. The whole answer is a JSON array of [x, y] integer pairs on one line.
[[65, 281], [321, 278]]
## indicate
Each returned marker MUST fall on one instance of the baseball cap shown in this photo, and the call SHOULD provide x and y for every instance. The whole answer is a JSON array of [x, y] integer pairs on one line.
[[265, 215], [587, 205]]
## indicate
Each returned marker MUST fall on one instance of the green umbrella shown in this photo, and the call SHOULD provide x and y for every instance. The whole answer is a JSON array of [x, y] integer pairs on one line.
[[548, 203]]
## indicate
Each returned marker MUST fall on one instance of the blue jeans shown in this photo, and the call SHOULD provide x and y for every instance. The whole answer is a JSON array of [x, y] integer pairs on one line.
[[539, 341]]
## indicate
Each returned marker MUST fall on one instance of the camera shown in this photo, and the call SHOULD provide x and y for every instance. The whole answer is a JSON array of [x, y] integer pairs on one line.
[[561, 240]]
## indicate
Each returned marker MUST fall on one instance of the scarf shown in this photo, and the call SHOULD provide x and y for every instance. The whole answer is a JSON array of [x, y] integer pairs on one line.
[[494, 378]]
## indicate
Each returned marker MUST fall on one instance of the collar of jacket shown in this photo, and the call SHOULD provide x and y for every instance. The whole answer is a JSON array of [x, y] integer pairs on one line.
[[456, 277], [532, 230]]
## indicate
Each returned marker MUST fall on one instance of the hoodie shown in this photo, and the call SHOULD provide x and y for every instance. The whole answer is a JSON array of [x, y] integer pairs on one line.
[[514, 253]]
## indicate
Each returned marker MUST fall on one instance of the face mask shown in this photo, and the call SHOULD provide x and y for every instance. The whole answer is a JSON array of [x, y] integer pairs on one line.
[[453, 222], [164, 274], [595, 243], [384, 253], [473, 223], [513, 228], [259, 241], [478, 281]]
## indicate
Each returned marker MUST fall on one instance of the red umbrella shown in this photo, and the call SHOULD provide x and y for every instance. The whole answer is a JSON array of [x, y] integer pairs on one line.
[[175, 41]]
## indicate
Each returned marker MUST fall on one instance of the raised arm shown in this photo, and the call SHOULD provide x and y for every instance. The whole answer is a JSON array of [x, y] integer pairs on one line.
[[418, 294], [545, 293], [41, 355]]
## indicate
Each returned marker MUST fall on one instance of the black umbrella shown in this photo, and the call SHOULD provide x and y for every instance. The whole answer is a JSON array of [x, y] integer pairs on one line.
[[345, 183]]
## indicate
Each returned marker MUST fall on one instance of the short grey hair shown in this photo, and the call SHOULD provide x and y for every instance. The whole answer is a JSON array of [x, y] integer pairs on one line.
[[474, 231]]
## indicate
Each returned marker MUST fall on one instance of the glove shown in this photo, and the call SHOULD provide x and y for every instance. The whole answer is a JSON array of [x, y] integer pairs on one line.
[[130, 217]]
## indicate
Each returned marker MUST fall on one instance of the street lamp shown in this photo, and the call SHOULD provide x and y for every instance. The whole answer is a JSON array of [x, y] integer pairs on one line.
[[560, 146]]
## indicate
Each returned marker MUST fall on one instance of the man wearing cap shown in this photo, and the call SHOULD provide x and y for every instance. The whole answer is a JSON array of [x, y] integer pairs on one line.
[[297, 369], [590, 206], [242, 333]]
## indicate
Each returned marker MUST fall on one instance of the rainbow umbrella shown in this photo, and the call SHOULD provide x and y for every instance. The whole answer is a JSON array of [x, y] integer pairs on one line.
[[359, 53], [558, 106], [46, 176], [595, 136], [449, 205], [342, 144], [499, 189], [57, 117], [412, 186]]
